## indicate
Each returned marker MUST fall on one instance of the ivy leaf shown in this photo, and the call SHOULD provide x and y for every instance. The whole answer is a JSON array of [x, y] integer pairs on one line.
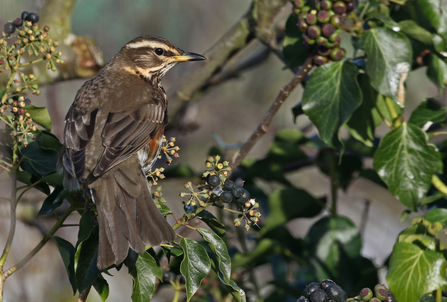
[[434, 11], [102, 287], [212, 222], [414, 272], [67, 251], [290, 203], [53, 201], [437, 71], [406, 163], [39, 160], [416, 32], [144, 275], [294, 50], [331, 96], [218, 247], [195, 265], [428, 111], [437, 214], [165, 210], [362, 124], [389, 56], [40, 116]]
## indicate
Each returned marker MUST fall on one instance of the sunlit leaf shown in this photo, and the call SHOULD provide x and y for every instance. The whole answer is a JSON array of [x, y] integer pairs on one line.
[[145, 275]]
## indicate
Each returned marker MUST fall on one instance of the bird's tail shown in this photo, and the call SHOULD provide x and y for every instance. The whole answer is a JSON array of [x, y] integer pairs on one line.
[[127, 216]]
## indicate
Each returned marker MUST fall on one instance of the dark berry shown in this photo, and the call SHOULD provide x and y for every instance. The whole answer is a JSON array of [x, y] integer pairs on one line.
[[339, 7], [336, 54], [228, 185], [327, 29], [214, 180], [302, 25], [311, 19], [302, 299], [18, 22], [320, 60], [322, 41], [310, 288], [189, 208], [366, 294], [9, 28], [318, 295], [336, 20], [32, 17], [226, 197], [24, 15], [237, 191], [245, 197], [21, 111], [350, 6], [326, 5], [239, 182], [324, 51], [27, 101], [336, 293], [323, 16], [325, 283], [313, 31], [168, 276], [46, 28]]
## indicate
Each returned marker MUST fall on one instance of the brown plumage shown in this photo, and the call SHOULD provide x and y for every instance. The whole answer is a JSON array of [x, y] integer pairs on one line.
[[112, 134]]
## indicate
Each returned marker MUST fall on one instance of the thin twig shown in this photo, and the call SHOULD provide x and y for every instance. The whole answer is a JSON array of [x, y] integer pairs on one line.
[[264, 125], [83, 296], [12, 227], [364, 218]]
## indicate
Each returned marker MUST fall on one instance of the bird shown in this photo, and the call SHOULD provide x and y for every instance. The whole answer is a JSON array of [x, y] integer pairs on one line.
[[112, 136]]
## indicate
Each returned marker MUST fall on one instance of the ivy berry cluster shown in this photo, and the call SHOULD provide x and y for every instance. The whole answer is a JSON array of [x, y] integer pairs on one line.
[[321, 27], [380, 293], [324, 291]]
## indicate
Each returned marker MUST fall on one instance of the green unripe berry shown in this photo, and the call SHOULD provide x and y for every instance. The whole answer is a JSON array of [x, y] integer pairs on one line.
[[381, 292], [325, 4], [313, 31], [322, 41], [336, 54], [323, 16], [334, 38], [305, 9], [374, 300], [336, 20], [366, 294], [311, 19], [298, 3]]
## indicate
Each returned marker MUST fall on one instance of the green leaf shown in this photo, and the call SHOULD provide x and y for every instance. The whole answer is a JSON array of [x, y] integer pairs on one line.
[[431, 299], [428, 111], [416, 32], [102, 287], [427, 241], [86, 255], [40, 116], [414, 272], [165, 210], [437, 71], [294, 51], [67, 252], [212, 222], [290, 203], [145, 274], [39, 160], [195, 265], [434, 11], [297, 110], [362, 125], [2, 92], [437, 214], [331, 96], [389, 56], [432, 198], [406, 163], [218, 247]]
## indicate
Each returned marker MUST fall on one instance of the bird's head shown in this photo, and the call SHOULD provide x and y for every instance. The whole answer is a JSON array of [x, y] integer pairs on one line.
[[151, 56]]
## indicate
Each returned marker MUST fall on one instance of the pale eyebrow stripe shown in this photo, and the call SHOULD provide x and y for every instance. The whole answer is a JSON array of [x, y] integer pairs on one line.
[[151, 44]]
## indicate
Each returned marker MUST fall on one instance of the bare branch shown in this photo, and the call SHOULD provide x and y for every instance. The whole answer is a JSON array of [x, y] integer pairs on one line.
[[264, 125]]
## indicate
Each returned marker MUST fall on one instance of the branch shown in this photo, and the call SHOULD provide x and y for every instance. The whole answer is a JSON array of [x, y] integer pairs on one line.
[[257, 22], [13, 220], [263, 127]]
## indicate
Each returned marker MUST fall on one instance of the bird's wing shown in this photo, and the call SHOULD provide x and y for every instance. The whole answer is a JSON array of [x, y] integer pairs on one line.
[[125, 133]]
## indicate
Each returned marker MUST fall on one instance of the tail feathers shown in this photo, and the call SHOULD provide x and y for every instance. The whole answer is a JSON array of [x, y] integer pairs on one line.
[[127, 216]]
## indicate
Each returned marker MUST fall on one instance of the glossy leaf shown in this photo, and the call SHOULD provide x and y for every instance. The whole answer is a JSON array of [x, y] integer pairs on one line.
[[389, 56], [212, 222], [434, 11], [414, 272], [195, 265], [39, 160], [218, 247], [437, 71], [67, 252], [293, 46], [102, 287], [145, 275], [165, 210], [290, 203], [53, 201], [416, 32], [406, 163], [40, 116], [437, 214], [331, 96], [362, 124], [428, 111]]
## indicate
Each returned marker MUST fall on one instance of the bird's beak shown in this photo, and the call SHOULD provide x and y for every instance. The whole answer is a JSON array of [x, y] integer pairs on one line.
[[187, 56]]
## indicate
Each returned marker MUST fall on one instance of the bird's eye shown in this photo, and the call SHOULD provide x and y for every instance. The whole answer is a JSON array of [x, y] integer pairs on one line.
[[159, 51]]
